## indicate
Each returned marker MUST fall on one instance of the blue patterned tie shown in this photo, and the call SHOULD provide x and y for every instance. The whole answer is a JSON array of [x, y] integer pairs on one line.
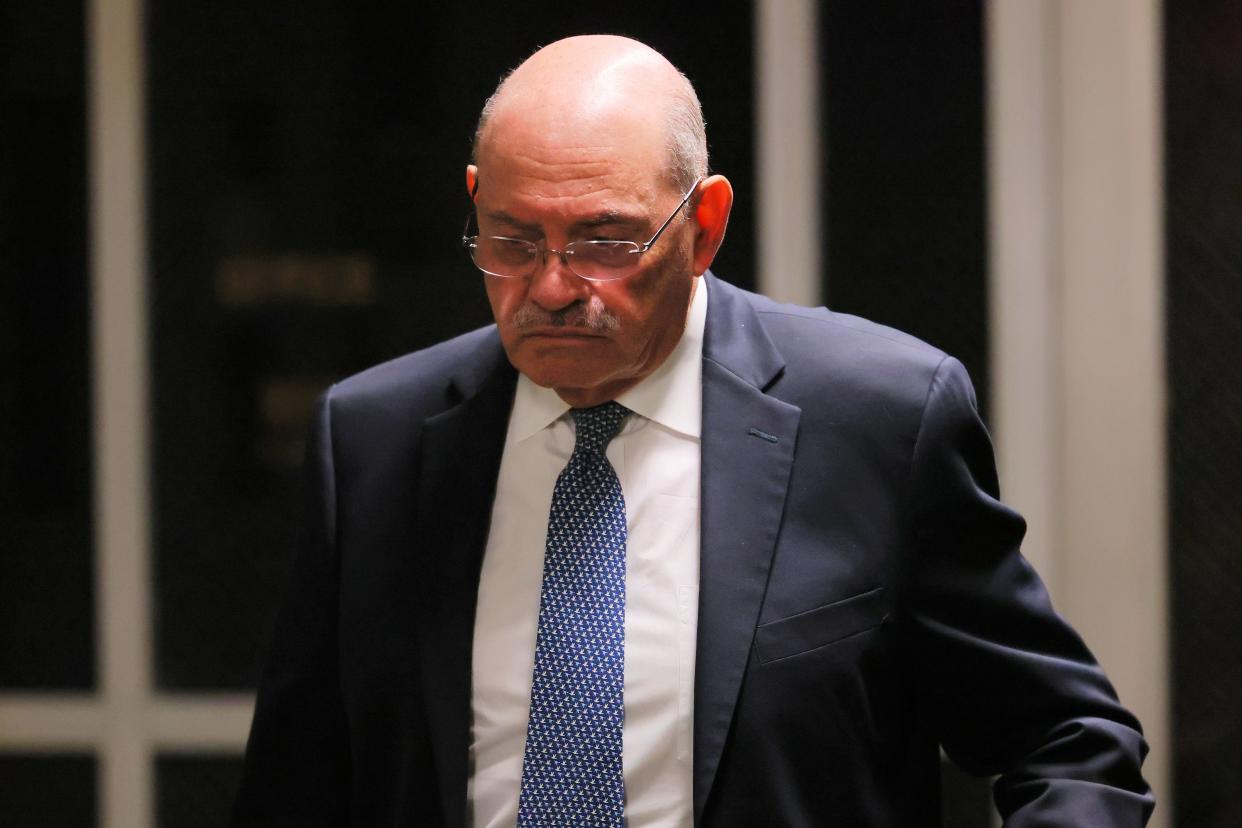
[[571, 773]]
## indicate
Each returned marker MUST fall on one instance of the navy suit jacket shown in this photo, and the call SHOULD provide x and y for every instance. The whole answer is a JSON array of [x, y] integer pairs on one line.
[[862, 601]]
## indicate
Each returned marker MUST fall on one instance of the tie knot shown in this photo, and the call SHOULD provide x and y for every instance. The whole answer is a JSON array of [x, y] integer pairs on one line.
[[596, 426]]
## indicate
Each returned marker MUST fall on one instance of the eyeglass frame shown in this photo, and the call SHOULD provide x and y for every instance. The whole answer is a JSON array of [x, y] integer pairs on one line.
[[565, 255]]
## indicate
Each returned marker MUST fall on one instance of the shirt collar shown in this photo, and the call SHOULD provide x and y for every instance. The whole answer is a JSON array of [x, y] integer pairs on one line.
[[671, 396]]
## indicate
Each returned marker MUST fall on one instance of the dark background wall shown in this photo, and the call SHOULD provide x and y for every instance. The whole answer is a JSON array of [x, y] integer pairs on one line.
[[47, 641], [45, 450], [905, 210], [1203, 155]]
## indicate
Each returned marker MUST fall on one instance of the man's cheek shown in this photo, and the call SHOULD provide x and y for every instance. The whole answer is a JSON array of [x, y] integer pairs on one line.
[[503, 296]]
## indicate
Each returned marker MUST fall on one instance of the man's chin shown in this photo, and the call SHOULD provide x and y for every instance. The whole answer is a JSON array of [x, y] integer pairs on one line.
[[551, 361], [564, 380], [570, 381]]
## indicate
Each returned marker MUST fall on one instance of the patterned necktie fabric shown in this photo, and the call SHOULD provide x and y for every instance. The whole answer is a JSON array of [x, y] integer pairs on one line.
[[571, 770]]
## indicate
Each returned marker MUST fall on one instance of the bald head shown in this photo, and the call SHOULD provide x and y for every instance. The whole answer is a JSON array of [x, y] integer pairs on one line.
[[587, 83], [585, 158]]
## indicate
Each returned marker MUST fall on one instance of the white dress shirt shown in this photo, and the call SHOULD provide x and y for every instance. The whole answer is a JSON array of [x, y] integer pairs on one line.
[[656, 457]]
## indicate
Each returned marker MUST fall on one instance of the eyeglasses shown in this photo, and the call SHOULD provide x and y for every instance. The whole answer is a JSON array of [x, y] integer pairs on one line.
[[595, 260]]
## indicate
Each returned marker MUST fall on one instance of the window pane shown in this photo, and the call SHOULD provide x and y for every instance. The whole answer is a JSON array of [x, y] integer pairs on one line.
[[46, 606], [307, 198], [47, 790], [905, 202], [195, 791]]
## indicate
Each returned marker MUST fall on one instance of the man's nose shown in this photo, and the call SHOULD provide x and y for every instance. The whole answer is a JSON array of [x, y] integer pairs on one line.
[[553, 285]]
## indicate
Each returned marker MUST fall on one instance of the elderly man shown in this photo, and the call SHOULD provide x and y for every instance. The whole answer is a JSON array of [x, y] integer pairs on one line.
[[652, 550]]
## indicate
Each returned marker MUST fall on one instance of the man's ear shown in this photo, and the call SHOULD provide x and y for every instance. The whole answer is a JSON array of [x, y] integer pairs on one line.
[[472, 180], [712, 216]]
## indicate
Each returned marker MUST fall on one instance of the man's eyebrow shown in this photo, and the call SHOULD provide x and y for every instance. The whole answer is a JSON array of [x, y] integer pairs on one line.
[[611, 218], [501, 217], [614, 218]]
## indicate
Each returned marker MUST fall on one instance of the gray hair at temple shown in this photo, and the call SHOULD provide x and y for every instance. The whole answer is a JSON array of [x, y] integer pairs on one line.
[[687, 132]]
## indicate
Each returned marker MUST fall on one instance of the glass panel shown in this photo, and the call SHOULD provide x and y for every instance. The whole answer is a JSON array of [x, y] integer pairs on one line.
[[307, 197], [47, 790], [905, 208], [1203, 127], [46, 604], [195, 791]]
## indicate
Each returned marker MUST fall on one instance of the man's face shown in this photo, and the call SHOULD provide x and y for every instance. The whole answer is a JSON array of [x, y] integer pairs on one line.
[[588, 340]]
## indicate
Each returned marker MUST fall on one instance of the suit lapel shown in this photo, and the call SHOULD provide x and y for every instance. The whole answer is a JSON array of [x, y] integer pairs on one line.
[[747, 453], [461, 451]]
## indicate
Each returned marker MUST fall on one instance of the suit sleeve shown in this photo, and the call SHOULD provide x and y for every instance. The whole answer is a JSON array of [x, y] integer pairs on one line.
[[297, 767], [1010, 688]]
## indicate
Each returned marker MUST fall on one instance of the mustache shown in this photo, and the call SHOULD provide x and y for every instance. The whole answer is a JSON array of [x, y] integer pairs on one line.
[[592, 316]]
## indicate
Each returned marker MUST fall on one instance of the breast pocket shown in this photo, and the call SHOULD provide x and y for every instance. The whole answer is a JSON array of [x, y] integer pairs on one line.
[[821, 626]]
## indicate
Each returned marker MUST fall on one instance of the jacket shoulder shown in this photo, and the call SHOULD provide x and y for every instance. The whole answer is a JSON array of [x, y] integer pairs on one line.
[[830, 355], [793, 323], [417, 385]]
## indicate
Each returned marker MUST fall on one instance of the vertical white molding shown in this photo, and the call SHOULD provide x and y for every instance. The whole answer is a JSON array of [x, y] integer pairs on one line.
[[1114, 582], [788, 151], [1078, 324], [1023, 194], [119, 341]]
